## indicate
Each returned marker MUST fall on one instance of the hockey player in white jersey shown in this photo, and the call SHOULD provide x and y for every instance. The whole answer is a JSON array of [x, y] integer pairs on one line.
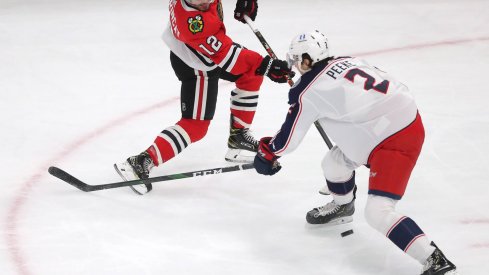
[[374, 121]]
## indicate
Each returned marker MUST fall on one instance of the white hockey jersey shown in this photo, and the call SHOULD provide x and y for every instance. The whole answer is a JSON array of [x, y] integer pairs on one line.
[[357, 104]]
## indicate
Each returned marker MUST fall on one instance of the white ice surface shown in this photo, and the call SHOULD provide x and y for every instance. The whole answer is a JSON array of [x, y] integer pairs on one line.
[[84, 84]]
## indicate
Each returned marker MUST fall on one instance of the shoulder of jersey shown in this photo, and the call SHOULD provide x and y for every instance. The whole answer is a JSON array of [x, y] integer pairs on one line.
[[307, 78], [193, 22], [312, 75]]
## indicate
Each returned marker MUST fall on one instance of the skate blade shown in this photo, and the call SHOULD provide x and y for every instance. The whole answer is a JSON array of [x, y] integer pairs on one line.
[[341, 220], [125, 171], [333, 222], [240, 156], [126, 175], [324, 191]]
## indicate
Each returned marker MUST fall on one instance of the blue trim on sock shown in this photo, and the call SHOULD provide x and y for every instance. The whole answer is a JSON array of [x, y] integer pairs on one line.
[[404, 233], [342, 188], [384, 194]]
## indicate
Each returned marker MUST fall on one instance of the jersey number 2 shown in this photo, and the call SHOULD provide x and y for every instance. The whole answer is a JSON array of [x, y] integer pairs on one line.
[[214, 43], [382, 87]]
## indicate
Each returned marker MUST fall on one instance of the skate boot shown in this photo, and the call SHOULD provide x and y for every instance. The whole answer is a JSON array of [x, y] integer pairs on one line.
[[438, 264], [332, 214], [135, 168], [242, 146]]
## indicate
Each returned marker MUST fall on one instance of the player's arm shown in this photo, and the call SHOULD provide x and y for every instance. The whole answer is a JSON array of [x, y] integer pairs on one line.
[[207, 35], [228, 55], [238, 60], [301, 115]]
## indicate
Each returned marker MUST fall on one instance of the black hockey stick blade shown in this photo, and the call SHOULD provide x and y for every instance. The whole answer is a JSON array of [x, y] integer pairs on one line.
[[68, 178]]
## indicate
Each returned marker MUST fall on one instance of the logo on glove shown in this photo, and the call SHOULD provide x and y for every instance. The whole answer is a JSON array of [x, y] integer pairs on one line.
[[196, 24]]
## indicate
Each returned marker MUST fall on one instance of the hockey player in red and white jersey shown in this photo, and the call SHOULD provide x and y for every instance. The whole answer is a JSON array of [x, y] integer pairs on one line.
[[374, 121], [201, 54]]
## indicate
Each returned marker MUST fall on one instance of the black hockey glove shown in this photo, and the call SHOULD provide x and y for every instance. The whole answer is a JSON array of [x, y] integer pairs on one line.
[[245, 7], [277, 70], [265, 162]]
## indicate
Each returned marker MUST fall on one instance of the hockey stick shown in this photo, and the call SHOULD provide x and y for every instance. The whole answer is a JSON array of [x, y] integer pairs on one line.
[[66, 177], [289, 80]]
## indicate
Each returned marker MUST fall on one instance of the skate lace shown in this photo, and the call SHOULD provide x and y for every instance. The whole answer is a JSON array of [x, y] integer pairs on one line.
[[143, 166], [329, 208], [249, 137], [147, 165]]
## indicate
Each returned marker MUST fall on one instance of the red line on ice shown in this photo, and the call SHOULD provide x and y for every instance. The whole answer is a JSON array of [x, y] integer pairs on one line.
[[20, 198], [424, 46], [480, 245], [475, 221], [12, 236]]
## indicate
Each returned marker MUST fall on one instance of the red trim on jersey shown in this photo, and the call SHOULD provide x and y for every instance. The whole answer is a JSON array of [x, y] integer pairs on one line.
[[201, 84]]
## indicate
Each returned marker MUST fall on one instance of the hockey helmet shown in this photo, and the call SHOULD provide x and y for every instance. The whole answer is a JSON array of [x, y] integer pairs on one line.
[[314, 44]]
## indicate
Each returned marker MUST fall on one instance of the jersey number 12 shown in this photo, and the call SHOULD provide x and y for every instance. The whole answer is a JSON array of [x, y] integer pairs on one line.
[[214, 43]]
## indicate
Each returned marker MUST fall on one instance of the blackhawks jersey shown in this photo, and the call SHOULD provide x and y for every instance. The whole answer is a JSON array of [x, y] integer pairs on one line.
[[199, 39], [357, 104]]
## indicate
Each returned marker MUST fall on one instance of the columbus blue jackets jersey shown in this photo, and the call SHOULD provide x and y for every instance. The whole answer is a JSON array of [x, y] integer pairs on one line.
[[357, 104]]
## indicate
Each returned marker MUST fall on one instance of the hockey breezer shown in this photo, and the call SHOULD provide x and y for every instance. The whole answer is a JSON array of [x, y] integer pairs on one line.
[[66, 177]]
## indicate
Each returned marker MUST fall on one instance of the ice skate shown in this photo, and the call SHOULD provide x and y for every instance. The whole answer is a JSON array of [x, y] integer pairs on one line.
[[242, 146], [135, 168], [438, 264], [332, 214]]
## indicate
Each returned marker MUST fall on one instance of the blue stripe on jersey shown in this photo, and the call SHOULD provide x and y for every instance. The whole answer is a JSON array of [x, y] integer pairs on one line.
[[404, 233], [281, 138], [342, 188]]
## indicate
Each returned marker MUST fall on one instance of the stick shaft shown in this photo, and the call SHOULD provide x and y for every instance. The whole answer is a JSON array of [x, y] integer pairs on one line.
[[68, 178], [270, 52]]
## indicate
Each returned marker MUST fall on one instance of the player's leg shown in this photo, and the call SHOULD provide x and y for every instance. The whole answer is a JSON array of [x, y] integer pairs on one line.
[[391, 164], [339, 173], [381, 214], [198, 102], [244, 100], [198, 98]]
